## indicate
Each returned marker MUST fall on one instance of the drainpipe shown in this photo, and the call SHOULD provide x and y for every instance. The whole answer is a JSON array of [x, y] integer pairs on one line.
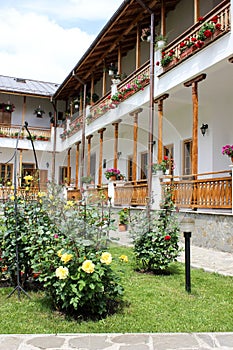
[[54, 141], [151, 111], [84, 126]]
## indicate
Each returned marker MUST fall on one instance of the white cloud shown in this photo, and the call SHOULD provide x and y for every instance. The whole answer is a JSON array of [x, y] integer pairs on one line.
[[36, 45]]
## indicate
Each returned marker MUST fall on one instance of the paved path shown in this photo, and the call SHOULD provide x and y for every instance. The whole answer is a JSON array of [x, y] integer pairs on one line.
[[207, 259], [151, 341]]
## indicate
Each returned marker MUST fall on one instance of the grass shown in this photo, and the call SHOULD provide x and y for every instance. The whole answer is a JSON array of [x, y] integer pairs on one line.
[[153, 304]]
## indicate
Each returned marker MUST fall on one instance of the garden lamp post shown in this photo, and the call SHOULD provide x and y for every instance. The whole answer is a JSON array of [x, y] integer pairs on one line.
[[187, 226]]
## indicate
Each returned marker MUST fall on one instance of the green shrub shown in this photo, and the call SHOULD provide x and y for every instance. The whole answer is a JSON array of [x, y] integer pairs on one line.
[[156, 237]]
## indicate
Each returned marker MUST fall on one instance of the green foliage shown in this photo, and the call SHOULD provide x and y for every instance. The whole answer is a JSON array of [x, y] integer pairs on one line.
[[156, 237], [123, 215], [51, 225]]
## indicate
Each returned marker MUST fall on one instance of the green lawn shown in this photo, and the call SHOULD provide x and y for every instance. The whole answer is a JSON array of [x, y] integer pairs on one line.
[[153, 304]]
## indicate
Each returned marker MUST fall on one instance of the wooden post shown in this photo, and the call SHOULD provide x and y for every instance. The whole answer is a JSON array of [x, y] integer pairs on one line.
[[119, 60], [116, 126], [68, 167], [194, 83], [159, 100], [89, 137], [92, 88], [104, 81], [77, 163], [135, 140], [163, 18], [101, 132], [196, 10], [138, 48]]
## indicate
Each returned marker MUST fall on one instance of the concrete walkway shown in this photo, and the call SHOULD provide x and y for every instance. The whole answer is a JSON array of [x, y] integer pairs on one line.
[[209, 260], [142, 341]]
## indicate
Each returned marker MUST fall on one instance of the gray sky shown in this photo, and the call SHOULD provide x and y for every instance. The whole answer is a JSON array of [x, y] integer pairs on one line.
[[44, 39]]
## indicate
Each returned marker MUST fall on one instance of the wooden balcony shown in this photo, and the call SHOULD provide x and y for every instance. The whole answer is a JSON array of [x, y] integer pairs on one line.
[[40, 134], [221, 12]]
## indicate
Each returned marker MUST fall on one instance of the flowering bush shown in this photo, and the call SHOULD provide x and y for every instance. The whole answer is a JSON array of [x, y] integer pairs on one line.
[[63, 246], [123, 215], [228, 150], [156, 238], [111, 172]]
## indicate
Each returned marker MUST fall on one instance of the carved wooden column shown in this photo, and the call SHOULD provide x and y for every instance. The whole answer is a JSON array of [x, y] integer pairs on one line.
[[92, 88], [160, 100], [194, 83], [138, 48], [163, 18], [135, 141], [77, 163], [89, 137], [119, 60], [104, 81], [116, 133], [68, 167], [101, 132], [196, 10]]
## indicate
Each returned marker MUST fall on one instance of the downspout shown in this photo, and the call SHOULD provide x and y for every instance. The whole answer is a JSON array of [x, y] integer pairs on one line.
[[83, 126], [151, 108], [54, 141]]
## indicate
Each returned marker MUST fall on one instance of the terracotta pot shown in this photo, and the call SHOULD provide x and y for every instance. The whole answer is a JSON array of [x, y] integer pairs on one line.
[[188, 51], [122, 227], [113, 178]]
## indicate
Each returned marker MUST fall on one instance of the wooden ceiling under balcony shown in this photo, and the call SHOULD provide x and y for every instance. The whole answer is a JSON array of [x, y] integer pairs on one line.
[[120, 30]]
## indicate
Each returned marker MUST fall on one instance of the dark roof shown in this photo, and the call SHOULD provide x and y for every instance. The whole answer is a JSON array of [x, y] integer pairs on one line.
[[120, 29], [26, 86]]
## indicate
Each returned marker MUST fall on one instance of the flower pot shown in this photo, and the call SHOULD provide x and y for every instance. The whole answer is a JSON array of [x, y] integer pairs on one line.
[[113, 178], [160, 44], [122, 227], [188, 51], [170, 64]]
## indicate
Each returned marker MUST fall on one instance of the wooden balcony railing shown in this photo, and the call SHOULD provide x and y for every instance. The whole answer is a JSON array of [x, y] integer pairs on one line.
[[208, 190], [40, 134], [131, 193], [6, 192], [105, 103], [222, 13]]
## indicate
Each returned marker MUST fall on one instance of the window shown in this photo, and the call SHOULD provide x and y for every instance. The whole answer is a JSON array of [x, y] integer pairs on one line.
[[144, 165], [187, 157], [130, 168], [6, 173]]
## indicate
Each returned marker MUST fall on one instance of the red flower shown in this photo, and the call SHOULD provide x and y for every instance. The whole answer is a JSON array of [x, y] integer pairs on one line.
[[199, 44], [207, 33], [167, 238], [157, 63], [182, 44], [165, 157], [214, 19], [218, 26], [193, 39], [200, 19]]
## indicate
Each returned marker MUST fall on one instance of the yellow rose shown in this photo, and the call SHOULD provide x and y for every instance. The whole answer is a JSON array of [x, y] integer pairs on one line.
[[26, 188], [59, 253], [62, 272], [51, 197], [88, 266], [66, 257], [124, 258], [12, 198], [106, 258], [41, 194], [28, 178], [70, 203]]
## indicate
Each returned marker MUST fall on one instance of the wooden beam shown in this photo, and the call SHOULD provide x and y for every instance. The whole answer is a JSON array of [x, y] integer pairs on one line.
[[138, 48], [89, 137], [135, 141], [196, 10], [194, 83], [101, 132], [77, 163], [116, 134], [68, 167], [163, 19], [160, 100], [92, 87], [119, 60]]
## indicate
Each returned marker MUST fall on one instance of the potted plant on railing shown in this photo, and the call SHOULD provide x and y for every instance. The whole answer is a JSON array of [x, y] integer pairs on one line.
[[228, 150], [112, 174], [123, 219], [209, 28], [160, 42], [162, 167], [39, 112], [168, 59]]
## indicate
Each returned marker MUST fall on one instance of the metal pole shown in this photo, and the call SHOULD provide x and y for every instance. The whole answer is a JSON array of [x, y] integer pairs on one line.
[[187, 236]]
